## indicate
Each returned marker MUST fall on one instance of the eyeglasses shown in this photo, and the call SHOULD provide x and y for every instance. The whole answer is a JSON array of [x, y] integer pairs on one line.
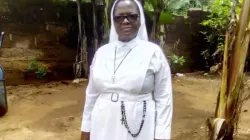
[[130, 18]]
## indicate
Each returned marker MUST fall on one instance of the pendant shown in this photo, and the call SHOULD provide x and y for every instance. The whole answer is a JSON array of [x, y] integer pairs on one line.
[[122, 120], [113, 79]]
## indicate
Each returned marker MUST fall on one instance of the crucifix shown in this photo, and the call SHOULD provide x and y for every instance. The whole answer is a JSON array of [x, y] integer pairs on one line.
[[113, 79]]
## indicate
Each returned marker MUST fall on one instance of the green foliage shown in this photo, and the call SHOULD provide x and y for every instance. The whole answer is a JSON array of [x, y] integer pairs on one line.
[[154, 3], [150, 9], [220, 15], [180, 7], [32, 65], [177, 60], [165, 18], [40, 71], [218, 22], [172, 7]]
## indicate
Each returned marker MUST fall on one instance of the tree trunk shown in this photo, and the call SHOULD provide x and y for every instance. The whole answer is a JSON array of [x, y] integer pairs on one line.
[[85, 52], [106, 17], [155, 33], [221, 104], [230, 98], [107, 4], [95, 25], [162, 32], [81, 63]]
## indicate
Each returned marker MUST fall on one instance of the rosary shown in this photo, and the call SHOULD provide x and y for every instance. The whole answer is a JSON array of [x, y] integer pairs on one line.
[[124, 119], [123, 112]]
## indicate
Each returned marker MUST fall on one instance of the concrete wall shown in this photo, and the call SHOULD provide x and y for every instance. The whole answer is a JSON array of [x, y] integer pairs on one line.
[[38, 33], [19, 49], [187, 32], [46, 33]]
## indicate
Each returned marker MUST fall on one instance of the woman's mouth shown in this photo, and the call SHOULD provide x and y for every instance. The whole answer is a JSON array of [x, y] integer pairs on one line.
[[126, 30]]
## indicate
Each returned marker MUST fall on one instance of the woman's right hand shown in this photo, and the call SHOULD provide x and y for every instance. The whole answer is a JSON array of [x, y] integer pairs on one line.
[[85, 136]]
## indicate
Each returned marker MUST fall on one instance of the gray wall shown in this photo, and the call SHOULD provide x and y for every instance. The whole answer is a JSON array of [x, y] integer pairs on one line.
[[191, 41], [56, 47]]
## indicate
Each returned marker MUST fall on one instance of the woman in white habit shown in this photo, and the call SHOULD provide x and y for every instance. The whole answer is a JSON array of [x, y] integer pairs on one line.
[[129, 94]]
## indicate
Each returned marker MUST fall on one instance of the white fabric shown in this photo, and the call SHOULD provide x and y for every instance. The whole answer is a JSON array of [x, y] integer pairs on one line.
[[144, 70], [142, 32], [104, 118]]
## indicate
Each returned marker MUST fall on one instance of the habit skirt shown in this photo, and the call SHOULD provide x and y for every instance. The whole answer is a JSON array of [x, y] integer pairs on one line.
[[106, 117]]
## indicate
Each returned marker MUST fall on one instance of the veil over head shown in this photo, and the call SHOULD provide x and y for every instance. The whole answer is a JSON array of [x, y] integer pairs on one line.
[[142, 32]]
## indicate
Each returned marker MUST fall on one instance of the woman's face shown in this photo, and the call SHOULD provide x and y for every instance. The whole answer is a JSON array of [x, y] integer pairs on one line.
[[126, 20]]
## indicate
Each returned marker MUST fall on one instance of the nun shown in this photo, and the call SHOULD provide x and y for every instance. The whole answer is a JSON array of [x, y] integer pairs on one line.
[[129, 94]]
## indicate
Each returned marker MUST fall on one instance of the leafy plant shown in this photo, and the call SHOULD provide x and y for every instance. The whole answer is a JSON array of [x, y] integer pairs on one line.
[[231, 95], [177, 60], [32, 65], [40, 71], [218, 21], [162, 12], [156, 11], [180, 7]]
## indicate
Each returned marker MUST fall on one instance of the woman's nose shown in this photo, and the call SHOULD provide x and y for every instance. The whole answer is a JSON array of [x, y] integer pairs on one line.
[[125, 21]]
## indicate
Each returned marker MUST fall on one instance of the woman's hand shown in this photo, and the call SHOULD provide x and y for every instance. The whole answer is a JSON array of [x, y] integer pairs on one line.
[[85, 136]]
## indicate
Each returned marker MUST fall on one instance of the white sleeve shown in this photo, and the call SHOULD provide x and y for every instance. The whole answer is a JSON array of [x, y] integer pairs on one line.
[[90, 99], [163, 99]]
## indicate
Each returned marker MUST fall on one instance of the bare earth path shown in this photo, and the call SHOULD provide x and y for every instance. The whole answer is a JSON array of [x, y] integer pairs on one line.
[[53, 111]]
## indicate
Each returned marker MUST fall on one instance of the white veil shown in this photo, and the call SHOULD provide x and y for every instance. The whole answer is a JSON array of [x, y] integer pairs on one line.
[[142, 32]]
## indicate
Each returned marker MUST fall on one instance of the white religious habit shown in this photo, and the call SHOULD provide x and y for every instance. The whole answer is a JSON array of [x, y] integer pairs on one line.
[[143, 75], [129, 94]]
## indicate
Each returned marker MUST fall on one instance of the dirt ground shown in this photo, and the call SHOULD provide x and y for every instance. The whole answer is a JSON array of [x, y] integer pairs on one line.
[[53, 111]]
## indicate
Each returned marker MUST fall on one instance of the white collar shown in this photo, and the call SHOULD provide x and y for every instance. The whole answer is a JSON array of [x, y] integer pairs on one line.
[[131, 44]]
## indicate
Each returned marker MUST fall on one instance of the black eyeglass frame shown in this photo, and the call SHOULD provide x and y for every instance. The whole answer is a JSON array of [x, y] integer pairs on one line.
[[131, 18]]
